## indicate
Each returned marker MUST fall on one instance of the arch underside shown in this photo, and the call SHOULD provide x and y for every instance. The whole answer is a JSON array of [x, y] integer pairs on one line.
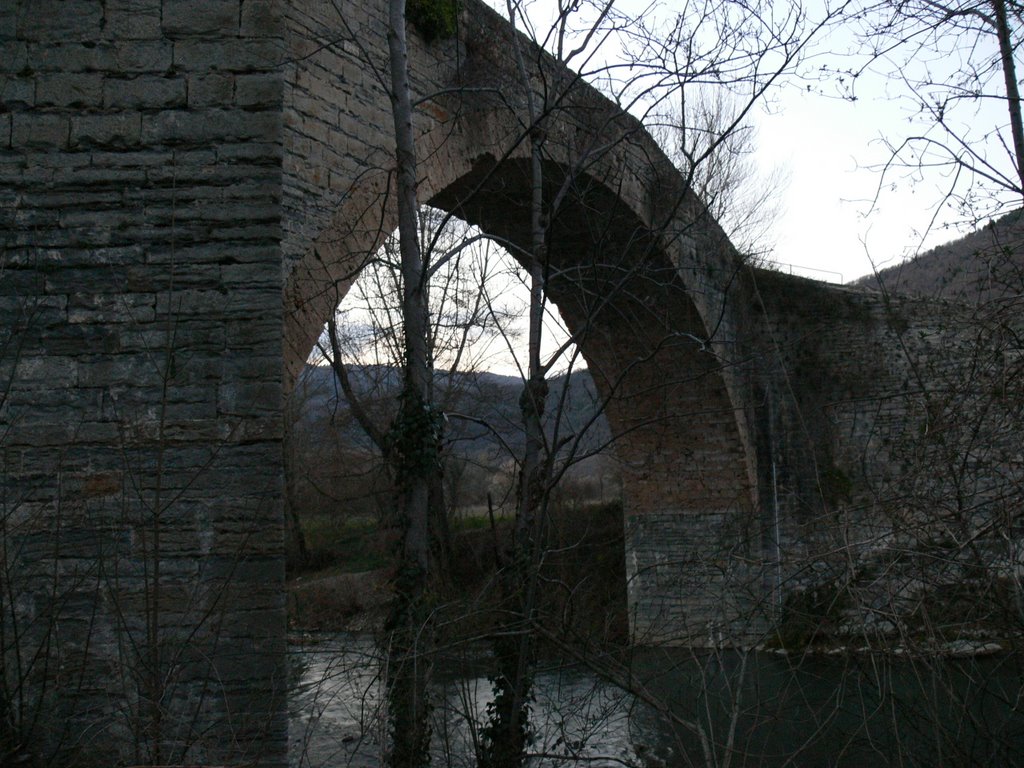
[[693, 537], [691, 531]]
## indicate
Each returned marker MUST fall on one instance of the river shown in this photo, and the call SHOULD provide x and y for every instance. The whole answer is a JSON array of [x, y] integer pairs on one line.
[[718, 709]]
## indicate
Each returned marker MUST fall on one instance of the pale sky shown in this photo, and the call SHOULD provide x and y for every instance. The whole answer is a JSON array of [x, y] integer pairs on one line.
[[831, 218], [828, 220]]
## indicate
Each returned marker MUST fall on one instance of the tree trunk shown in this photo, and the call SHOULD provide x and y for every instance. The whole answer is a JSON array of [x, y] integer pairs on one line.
[[508, 734], [413, 443], [1012, 91]]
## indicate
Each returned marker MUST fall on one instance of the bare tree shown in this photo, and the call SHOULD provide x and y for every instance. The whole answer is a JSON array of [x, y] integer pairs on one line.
[[748, 53], [955, 64], [414, 437], [743, 199], [665, 68]]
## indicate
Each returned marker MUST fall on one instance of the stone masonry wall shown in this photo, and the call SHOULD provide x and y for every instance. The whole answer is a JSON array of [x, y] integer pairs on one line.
[[140, 380], [892, 427]]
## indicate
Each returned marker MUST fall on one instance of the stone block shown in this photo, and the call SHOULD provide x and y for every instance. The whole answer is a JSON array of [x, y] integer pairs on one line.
[[144, 92], [5, 130], [60, 20], [110, 370], [267, 232], [200, 18], [192, 303], [121, 129], [48, 432], [242, 211], [99, 279], [229, 55], [49, 369], [34, 130], [200, 127], [72, 339], [69, 90], [195, 336], [13, 54], [121, 56], [249, 397], [259, 90], [143, 278], [251, 151], [70, 57], [20, 282], [211, 90], [250, 275], [144, 157], [8, 21], [133, 19], [261, 18], [253, 366], [16, 92], [144, 56], [33, 218], [110, 307]]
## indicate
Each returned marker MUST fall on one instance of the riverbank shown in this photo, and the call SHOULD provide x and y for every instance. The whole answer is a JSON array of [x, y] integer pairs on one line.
[[582, 592], [337, 601], [582, 578]]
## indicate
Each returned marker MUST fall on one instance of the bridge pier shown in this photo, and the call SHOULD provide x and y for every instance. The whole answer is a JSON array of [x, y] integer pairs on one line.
[[140, 382]]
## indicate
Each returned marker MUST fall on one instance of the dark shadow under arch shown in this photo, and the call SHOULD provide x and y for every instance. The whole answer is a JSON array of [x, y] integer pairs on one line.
[[678, 432]]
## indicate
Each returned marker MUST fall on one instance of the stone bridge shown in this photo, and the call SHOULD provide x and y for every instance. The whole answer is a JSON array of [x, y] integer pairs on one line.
[[189, 187]]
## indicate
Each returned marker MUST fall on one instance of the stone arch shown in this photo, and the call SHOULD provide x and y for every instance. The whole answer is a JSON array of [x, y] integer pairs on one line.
[[629, 278]]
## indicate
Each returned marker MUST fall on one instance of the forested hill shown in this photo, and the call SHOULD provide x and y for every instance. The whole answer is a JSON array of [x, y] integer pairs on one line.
[[984, 265], [481, 408]]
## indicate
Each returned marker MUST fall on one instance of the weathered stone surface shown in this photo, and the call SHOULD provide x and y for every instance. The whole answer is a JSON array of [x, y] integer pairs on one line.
[[122, 129], [257, 90], [69, 90], [56, 20], [199, 128], [144, 92], [206, 90], [112, 395], [209, 18], [5, 130], [17, 92], [260, 18], [39, 130], [186, 190], [228, 55], [132, 19]]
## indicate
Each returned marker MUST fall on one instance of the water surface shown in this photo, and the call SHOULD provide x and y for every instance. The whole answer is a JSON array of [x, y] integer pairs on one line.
[[686, 708]]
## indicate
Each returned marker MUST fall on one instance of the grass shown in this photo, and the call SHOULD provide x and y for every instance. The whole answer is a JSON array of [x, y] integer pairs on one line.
[[356, 543], [343, 543]]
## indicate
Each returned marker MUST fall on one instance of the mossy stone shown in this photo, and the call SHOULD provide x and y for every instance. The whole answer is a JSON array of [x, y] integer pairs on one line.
[[435, 19]]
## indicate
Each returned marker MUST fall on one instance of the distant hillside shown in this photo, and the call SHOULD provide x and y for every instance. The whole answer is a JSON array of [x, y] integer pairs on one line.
[[984, 265], [490, 401]]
